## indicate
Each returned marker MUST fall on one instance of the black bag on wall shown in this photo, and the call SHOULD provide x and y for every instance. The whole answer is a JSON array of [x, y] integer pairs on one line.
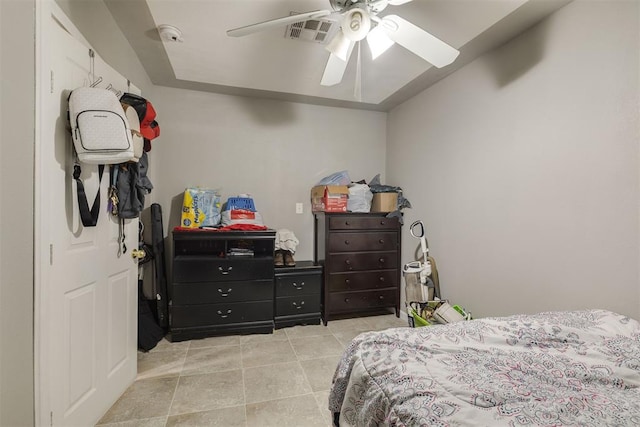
[[130, 185]]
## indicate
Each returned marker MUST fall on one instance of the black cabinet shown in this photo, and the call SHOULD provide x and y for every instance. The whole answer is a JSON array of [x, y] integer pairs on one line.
[[298, 294], [222, 283], [360, 253]]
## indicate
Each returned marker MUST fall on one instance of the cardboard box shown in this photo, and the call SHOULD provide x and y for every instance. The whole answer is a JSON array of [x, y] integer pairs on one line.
[[329, 198], [384, 202]]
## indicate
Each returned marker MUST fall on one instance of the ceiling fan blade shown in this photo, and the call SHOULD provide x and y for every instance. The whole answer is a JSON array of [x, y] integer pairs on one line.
[[378, 41], [418, 41], [398, 2], [357, 89], [261, 26], [335, 68]]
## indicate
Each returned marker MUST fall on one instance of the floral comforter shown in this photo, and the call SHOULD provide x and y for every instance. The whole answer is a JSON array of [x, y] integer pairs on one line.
[[549, 369]]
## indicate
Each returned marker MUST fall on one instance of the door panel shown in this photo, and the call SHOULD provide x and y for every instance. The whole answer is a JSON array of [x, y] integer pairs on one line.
[[119, 285], [79, 321]]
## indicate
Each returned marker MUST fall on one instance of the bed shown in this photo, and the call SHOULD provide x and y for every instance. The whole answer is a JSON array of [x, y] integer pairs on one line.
[[549, 369]]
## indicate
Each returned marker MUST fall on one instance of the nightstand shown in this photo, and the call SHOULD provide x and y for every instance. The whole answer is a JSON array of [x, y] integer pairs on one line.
[[297, 294]]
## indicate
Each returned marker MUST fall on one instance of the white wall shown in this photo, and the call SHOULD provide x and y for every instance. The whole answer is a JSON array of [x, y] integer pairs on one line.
[[275, 151], [17, 104], [524, 167], [93, 19]]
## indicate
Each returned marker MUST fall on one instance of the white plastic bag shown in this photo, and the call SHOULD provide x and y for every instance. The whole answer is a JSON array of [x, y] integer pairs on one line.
[[241, 216], [337, 178], [360, 197]]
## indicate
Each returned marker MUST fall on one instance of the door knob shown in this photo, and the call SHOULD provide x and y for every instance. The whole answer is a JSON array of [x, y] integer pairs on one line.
[[138, 253]]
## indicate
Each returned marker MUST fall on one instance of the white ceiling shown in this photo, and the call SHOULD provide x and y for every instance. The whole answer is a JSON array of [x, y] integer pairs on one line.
[[268, 64]]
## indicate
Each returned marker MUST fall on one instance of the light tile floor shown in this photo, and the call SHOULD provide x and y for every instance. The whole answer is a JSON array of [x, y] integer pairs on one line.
[[279, 379]]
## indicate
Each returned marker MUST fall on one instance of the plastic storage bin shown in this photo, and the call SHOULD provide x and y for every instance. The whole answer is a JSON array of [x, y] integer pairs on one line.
[[245, 203]]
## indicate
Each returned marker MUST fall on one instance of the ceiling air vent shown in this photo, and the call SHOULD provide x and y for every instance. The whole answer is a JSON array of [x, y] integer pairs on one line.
[[313, 30]]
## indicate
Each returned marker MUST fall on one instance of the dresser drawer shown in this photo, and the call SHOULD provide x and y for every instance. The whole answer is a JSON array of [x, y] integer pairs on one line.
[[363, 241], [286, 306], [208, 269], [363, 280], [298, 285], [185, 316], [362, 223], [221, 292], [362, 261], [351, 301]]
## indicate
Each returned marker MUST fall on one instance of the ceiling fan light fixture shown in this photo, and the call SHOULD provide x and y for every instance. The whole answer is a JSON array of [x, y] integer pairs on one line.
[[339, 46], [356, 24], [378, 42]]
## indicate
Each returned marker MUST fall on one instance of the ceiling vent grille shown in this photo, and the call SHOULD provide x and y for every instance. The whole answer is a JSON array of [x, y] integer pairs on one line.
[[313, 30]]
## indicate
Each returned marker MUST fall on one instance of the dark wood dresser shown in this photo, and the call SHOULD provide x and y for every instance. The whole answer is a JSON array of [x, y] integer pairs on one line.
[[360, 253], [298, 294], [223, 282]]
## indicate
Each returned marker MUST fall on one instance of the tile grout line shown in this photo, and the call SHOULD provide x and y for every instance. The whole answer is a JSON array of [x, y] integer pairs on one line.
[[244, 389], [175, 390]]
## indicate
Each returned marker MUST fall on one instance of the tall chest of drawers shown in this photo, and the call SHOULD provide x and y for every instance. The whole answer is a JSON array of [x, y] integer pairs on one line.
[[223, 282], [360, 253]]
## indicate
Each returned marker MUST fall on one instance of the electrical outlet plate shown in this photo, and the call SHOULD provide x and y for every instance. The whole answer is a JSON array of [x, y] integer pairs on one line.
[[299, 208]]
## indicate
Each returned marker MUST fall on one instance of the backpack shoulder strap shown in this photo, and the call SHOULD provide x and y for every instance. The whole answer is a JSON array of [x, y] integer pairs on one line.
[[89, 217]]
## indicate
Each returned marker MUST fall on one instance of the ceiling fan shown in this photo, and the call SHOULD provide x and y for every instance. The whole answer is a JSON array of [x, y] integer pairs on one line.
[[358, 20]]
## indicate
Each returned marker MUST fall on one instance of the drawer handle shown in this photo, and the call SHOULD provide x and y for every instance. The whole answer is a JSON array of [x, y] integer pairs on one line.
[[382, 222], [346, 242], [346, 300], [298, 307], [223, 271], [347, 223], [381, 241], [381, 260], [298, 287], [224, 316], [348, 262], [381, 279], [347, 281], [381, 297], [223, 293]]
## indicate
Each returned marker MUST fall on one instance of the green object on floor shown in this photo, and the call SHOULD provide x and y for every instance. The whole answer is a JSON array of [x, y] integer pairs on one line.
[[418, 321], [462, 311]]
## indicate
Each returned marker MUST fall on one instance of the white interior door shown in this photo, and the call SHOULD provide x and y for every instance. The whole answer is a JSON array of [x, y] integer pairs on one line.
[[87, 317]]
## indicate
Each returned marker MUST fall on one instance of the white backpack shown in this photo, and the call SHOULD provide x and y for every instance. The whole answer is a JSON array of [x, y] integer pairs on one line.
[[99, 127]]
